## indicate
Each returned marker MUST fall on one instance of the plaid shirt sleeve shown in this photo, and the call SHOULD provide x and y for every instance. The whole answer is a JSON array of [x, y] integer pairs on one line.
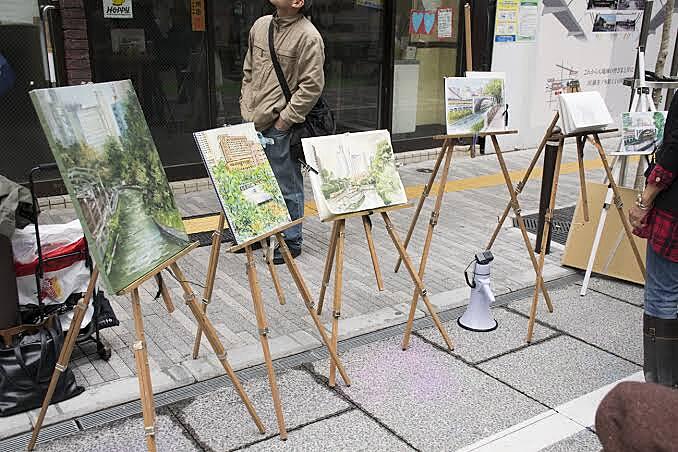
[[661, 177], [662, 233]]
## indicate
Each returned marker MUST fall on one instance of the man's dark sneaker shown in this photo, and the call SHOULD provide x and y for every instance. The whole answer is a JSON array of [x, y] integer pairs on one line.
[[278, 257]]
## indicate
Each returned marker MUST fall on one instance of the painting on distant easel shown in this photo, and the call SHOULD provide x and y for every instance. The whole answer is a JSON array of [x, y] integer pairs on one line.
[[642, 131], [355, 172], [474, 105], [243, 178], [112, 170]]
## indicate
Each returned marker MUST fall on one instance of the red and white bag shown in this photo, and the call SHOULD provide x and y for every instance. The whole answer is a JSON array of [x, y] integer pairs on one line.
[[63, 276]]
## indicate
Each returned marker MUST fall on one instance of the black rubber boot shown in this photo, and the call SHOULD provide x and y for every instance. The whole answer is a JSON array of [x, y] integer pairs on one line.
[[660, 346]]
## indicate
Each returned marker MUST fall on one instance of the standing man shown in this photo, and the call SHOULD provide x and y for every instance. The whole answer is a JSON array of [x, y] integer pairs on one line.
[[301, 53], [655, 217]]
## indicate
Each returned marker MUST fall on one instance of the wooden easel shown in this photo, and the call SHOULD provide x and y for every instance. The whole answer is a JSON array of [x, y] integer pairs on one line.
[[140, 352], [581, 139], [335, 256], [259, 305], [446, 151]]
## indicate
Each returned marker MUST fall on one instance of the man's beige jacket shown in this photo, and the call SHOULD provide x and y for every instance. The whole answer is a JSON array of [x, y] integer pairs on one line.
[[301, 53]]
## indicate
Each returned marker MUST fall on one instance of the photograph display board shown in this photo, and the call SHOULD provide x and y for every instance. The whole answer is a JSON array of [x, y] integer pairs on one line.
[[474, 104], [244, 181], [355, 172], [642, 131], [111, 168]]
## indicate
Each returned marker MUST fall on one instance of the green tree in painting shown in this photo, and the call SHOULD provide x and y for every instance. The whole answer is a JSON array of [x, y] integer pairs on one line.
[[383, 172], [332, 184], [495, 88], [659, 123]]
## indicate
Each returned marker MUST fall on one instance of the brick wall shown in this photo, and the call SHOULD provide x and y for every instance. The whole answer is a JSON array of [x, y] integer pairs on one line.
[[76, 45]]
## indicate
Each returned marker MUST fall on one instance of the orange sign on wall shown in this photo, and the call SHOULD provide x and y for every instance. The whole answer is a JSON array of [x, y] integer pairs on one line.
[[198, 15]]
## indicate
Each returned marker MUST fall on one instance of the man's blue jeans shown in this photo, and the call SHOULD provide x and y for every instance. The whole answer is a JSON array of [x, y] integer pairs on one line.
[[661, 286], [288, 173]]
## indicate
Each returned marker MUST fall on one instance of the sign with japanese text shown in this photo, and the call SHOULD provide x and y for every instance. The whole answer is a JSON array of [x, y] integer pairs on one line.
[[198, 15]]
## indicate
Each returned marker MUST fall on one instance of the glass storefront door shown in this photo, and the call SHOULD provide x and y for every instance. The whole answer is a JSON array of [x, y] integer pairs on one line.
[[354, 50], [165, 55], [426, 48]]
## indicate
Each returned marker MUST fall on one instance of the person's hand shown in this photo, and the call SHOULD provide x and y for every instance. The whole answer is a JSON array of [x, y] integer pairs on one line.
[[281, 125], [638, 217]]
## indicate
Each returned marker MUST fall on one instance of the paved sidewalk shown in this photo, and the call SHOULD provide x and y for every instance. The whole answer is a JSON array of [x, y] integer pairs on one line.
[[476, 197], [492, 393]]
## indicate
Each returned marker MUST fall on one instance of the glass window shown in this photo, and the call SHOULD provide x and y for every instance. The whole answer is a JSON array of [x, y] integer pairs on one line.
[[426, 48]]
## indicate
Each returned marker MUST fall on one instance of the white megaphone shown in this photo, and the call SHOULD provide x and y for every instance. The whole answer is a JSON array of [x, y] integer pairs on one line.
[[478, 316]]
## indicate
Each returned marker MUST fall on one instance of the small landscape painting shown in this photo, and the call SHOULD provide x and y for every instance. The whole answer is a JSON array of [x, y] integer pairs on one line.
[[353, 172], [474, 105], [642, 132], [244, 181]]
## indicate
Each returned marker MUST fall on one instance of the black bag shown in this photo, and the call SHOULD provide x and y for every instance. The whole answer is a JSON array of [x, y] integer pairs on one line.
[[28, 356], [319, 121]]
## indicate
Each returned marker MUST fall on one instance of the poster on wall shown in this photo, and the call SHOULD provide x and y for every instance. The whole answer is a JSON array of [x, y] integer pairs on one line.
[[355, 172], [112, 170], [118, 9], [375, 4], [516, 20], [474, 104], [242, 176], [19, 12]]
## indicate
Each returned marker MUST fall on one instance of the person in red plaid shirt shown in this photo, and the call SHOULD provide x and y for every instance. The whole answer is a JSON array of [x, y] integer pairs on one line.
[[655, 217]]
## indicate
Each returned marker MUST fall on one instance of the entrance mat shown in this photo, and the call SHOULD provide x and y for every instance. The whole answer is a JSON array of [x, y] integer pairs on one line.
[[562, 221]]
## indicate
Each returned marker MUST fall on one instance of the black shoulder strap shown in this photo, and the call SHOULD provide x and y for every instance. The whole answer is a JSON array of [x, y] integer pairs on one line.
[[276, 64]]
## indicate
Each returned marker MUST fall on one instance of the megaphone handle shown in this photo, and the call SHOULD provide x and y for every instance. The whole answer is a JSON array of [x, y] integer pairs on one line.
[[472, 285]]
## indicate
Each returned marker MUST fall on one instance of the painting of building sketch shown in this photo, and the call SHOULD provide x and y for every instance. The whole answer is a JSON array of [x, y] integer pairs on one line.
[[111, 168], [355, 172], [244, 181], [642, 132], [474, 105]]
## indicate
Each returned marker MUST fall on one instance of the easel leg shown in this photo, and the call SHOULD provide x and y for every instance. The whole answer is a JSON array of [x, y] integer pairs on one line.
[[329, 261], [427, 246], [427, 190], [64, 355], [609, 195], [308, 302], [542, 253], [215, 342], [336, 302], [263, 337], [415, 278], [526, 177], [619, 205], [367, 224], [521, 222], [211, 275], [143, 373], [271, 269], [581, 141]]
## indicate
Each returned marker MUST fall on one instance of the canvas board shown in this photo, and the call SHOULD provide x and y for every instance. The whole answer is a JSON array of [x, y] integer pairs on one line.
[[242, 176], [355, 172], [583, 111], [642, 132], [113, 173], [474, 104]]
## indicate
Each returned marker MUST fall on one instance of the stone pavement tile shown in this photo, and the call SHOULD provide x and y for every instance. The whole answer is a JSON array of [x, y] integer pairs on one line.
[[219, 420], [558, 370], [352, 431], [597, 319], [126, 435], [13, 425], [429, 398], [476, 347], [584, 441], [629, 292]]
